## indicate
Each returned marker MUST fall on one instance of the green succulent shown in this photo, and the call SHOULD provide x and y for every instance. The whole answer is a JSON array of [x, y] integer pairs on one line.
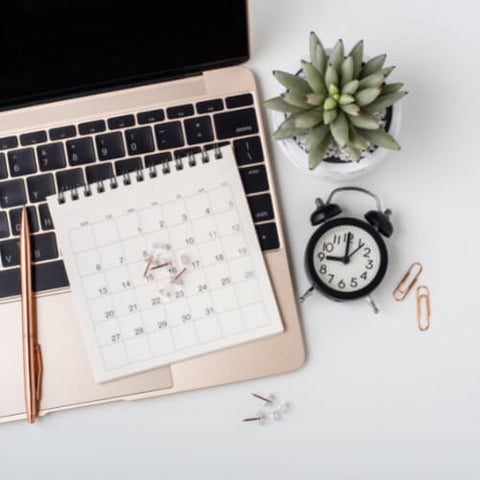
[[335, 100]]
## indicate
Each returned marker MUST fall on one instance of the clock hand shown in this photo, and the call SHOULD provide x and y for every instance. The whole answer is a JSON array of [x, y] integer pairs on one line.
[[355, 251], [337, 259], [347, 248]]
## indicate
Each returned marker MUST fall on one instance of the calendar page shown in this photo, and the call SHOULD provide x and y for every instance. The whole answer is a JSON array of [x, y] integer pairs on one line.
[[166, 268]]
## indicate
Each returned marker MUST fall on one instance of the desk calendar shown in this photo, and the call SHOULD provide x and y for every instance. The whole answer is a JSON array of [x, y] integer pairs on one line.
[[166, 268]]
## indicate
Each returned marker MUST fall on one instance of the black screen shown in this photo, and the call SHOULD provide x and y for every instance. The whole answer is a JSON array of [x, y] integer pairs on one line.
[[51, 48]]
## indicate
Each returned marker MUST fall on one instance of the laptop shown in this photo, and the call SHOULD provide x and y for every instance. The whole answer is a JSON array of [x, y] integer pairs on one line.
[[85, 87]]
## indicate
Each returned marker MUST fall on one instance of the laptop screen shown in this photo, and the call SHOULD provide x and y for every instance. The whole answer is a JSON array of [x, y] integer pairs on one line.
[[52, 48]]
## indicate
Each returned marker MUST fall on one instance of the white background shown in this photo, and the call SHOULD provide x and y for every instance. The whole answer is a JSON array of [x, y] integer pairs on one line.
[[376, 399]]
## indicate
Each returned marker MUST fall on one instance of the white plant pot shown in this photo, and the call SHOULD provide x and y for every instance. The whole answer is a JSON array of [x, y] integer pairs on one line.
[[339, 171]]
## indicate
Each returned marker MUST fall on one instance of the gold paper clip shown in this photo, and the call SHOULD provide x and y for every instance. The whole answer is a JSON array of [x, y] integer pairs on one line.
[[407, 282], [423, 314]]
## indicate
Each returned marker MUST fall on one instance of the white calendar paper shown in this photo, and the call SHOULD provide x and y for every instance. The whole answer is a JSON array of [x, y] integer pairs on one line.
[[165, 269]]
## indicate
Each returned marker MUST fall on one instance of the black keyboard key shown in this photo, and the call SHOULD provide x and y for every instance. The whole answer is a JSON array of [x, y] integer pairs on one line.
[[51, 156], [40, 186], [110, 146], [80, 151], [15, 220], [254, 179], [261, 207], [248, 150], [49, 275], [198, 130], [186, 152], [46, 221], [210, 106], [44, 247], [60, 133], [10, 282], [3, 166], [180, 111], [123, 167], [4, 230], [96, 126], [33, 137], [97, 173], [8, 142], [151, 116], [12, 193], [71, 178], [139, 140], [236, 123], [169, 135], [239, 100], [157, 159], [216, 147], [121, 122], [268, 236], [10, 253], [21, 162]]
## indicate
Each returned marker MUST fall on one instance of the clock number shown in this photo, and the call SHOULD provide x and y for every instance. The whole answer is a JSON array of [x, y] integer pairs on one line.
[[360, 243], [367, 252], [345, 237], [323, 269], [341, 284], [321, 256], [328, 247], [353, 282], [337, 239], [369, 266], [364, 275], [332, 276]]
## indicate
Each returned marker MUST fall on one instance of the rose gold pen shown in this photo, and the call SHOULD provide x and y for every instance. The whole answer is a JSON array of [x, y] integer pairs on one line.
[[32, 357]]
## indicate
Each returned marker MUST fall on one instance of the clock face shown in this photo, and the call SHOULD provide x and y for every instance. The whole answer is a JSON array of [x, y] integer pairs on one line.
[[346, 258]]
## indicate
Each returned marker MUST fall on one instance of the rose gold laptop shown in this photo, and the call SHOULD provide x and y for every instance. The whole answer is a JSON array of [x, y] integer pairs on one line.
[[86, 86]]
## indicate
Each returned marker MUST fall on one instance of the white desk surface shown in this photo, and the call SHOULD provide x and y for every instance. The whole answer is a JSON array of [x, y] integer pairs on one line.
[[376, 399]]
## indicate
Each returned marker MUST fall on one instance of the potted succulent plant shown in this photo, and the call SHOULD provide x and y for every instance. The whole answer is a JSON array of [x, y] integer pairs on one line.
[[338, 109]]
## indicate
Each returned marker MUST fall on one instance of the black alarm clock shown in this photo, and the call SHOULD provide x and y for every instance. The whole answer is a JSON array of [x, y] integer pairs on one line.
[[346, 258]]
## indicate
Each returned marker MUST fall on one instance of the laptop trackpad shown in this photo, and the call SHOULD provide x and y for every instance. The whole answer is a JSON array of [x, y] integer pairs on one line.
[[67, 376]]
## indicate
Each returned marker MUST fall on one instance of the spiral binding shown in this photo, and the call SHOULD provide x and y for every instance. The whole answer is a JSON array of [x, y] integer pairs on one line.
[[179, 163]]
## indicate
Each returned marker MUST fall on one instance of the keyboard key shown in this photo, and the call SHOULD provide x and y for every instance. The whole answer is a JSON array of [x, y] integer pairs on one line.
[[47, 276], [15, 220], [96, 126], [80, 151], [261, 207], [40, 186], [3, 166], [210, 106], [198, 130], [268, 236], [97, 173], [151, 116], [157, 159], [185, 152], [44, 247], [33, 137], [71, 178], [123, 167], [169, 135], [248, 150], [110, 146], [139, 140], [239, 100], [180, 111], [121, 122], [51, 156], [21, 162], [62, 132], [4, 230], [10, 282], [236, 123], [254, 179], [8, 142], [46, 221], [10, 253], [12, 193]]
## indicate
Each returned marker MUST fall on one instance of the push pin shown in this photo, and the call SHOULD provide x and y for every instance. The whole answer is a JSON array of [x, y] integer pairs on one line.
[[267, 399], [262, 417], [176, 278]]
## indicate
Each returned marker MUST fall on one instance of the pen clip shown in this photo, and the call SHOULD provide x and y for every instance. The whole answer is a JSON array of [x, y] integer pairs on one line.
[[38, 371]]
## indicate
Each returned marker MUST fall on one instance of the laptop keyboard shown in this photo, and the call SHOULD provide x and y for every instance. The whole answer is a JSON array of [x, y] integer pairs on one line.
[[37, 164]]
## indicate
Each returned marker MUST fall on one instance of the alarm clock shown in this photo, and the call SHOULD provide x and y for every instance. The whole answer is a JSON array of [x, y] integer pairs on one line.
[[346, 258]]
